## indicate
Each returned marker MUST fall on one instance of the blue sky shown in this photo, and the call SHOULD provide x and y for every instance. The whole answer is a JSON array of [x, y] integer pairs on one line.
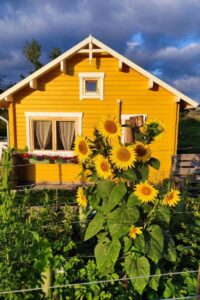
[[162, 36]]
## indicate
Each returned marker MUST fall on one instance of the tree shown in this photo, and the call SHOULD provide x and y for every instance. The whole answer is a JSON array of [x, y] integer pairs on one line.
[[32, 52], [54, 53]]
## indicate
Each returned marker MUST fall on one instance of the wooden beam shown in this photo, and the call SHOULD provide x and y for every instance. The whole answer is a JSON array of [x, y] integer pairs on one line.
[[33, 84], [120, 65], [93, 51], [90, 52], [63, 66], [9, 98], [150, 84], [177, 99]]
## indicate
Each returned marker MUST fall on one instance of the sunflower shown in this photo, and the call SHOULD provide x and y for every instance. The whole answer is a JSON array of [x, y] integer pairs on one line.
[[134, 231], [81, 198], [172, 198], [102, 166], [82, 148], [143, 152], [109, 127], [145, 192], [123, 156]]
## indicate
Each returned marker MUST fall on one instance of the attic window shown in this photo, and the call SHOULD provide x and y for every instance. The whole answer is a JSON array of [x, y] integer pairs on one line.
[[91, 85]]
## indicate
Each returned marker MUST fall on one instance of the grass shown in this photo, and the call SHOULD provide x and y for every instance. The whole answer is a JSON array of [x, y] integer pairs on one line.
[[189, 135]]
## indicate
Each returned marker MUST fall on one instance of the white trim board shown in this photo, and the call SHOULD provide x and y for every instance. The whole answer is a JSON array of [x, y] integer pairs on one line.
[[8, 95]]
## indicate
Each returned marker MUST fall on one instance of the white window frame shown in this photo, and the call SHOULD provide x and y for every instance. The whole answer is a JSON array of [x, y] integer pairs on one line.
[[125, 117], [30, 115], [83, 77]]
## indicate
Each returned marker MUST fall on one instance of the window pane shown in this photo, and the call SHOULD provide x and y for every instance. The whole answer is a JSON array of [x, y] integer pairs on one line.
[[91, 85], [42, 135], [65, 135]]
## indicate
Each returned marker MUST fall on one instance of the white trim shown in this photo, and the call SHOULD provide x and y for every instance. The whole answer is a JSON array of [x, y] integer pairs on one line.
[[28, 116], [125, 117], [83, 76], [107, 49]]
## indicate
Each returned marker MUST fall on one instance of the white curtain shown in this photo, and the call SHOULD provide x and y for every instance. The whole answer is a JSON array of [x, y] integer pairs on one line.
[[43, 130], [67, 133]]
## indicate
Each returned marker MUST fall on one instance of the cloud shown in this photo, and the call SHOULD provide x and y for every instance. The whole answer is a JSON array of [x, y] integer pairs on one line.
[[161, 36]]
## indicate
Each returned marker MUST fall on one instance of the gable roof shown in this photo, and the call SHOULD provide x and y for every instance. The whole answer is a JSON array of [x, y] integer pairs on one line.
[[30, 80]]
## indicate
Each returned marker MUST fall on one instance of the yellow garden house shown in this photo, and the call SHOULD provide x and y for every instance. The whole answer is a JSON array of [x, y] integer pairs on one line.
[[68, 96]]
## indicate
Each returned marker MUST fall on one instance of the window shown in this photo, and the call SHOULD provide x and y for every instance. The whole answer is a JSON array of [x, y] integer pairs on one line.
[[91, 85], [53, 132], [135, 120]]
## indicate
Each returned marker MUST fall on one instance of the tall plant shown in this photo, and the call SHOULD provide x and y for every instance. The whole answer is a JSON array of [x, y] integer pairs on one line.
[[128, 215]]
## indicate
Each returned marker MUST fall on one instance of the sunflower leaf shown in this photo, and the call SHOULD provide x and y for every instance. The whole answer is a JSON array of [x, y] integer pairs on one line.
[[143, 171], [155, 243], [138, 267], [104, 188], [163, 214], [154, 281], [106, 254], [115, 197], [94, 226], [154, 163]]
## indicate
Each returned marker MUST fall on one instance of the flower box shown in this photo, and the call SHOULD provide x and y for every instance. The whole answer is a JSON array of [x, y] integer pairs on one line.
[[36, 161]]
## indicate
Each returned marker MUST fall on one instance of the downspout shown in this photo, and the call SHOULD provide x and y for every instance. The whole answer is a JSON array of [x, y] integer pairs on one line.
[[6, 121]]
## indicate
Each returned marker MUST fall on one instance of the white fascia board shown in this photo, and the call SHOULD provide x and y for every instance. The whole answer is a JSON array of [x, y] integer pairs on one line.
[[107, 49]]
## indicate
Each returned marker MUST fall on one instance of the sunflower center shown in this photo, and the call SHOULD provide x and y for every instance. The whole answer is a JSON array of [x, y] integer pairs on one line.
[[123, 154], [146, 190], [169, 196], [110, 127], [141, 151], [83, 147], [104, 166]]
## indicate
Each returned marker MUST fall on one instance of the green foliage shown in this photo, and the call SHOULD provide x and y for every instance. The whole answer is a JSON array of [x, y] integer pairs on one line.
[[32, 52], [189, 135], [54, 53]]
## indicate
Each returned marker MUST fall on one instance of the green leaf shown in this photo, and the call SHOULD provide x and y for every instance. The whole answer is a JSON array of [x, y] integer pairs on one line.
[[94, 226], [164, 214], [139, 242], [120, 219], [143, 172], [133, 201], [154, 281], [127, 244], [104, 188], [129, 175], [138, 267], [171, 251], [154, 163], [155, 243], [106, 254], [35, 235], [115, 197]]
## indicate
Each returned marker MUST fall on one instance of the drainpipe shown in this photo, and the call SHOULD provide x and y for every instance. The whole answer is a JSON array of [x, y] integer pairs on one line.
[[6, 121]]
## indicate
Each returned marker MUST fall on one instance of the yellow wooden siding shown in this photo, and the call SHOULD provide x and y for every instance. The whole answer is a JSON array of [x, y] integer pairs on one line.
[[59, 92]]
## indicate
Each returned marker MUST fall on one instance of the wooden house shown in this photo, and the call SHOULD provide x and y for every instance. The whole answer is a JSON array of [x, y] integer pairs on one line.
[[69, 95]]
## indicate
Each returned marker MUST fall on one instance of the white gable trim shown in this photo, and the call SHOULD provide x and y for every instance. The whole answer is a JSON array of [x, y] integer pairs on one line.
[[107, 49]]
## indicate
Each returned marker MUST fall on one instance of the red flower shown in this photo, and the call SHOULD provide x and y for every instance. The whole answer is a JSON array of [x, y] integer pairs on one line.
[[25, 155]]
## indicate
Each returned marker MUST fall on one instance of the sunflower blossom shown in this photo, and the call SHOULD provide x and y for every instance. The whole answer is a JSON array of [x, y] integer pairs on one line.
[[123, 157], [82, 148], [134, 231], [109, 127], [143, 152], [172, 198], [102, 166], [81, 198], [145, 192]]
